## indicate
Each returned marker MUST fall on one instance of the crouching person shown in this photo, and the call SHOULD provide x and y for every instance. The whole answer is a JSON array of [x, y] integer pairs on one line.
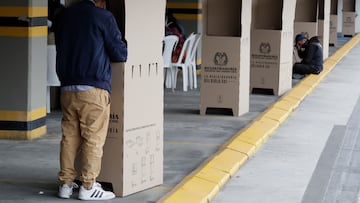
[[311, 53]]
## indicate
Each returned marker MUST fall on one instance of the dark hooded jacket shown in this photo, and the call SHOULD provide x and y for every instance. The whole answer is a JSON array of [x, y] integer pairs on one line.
[[87, 41], [313, 53]]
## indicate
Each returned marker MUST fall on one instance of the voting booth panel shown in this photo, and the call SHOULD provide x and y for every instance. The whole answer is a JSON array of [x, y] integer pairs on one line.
[[225, 56], [133, 152], [272, 45]]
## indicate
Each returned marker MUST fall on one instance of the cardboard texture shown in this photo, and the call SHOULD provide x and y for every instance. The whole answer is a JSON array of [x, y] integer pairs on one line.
[[324, 25], [348, 23], [309, 29], [349, 5], [272, 45], [306, 18], [133, 152], [225, 56], [333, 30], [348, 18], [334, 7]]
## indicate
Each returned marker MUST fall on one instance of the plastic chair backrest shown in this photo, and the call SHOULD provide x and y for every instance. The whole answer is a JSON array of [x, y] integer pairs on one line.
[[187, 46], [170, 42], [194, 47]]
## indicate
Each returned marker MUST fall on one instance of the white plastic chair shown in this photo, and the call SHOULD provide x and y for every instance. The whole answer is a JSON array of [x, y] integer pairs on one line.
[[192, 63], [184, 64], [170, 43]]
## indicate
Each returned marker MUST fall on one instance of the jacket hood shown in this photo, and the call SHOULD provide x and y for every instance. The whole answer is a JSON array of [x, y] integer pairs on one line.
[[314, 39]]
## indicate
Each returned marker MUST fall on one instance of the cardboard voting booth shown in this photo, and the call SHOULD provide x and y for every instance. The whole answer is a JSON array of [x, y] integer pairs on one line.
[[272, 45], [225, 56], [324, 25], [348, 18], [306, 18], [133, 152], [333, 22]]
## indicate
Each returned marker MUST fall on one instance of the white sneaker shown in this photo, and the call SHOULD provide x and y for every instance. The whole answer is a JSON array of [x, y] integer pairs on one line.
[[65, 191], [95, 193]]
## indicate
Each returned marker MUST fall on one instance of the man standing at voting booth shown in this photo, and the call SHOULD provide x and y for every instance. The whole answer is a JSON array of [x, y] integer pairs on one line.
[[87, 41]]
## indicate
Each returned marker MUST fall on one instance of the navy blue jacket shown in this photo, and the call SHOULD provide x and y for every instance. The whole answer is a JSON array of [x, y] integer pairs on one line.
[[87, 39], [313, 54]]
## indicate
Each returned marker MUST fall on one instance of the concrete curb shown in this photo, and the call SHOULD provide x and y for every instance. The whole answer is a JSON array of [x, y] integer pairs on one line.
[[204, 183]]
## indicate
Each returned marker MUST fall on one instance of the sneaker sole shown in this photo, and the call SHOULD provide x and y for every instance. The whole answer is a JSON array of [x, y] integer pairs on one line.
[[97, 195], [63, 197], [96, 199]]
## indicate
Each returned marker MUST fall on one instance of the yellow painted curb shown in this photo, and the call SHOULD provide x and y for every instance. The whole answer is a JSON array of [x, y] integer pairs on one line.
[[285, 105], [228, 161], [202, 187], [242, 146], [181, 196], [258, 132], [311, 80], [294, 101], [299, 92], [277, 114], [302, 88], [256, 139], [264, 122], [330, 64], [212, 174]]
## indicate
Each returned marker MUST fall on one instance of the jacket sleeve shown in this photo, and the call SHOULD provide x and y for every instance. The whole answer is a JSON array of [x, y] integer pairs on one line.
[[115, 46], [301, 53], [309, 54]]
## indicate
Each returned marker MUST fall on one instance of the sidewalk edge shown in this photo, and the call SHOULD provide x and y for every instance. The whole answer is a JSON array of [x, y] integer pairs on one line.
[[204, 183]]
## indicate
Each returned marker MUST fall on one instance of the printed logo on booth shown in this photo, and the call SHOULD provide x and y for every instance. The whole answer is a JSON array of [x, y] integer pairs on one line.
[[265, 48], [221, 59], [348, 20]]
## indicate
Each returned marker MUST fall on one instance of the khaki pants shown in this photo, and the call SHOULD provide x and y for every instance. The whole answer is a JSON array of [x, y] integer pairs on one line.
[[84, 126]]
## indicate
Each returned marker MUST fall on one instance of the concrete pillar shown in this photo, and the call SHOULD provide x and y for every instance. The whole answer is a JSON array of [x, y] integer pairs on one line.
[[23, 39], [324, 24], [333, 23]]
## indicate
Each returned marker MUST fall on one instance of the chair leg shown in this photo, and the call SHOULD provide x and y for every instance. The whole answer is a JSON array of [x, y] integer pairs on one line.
[[194, 75], [190, 77], [48, 106], [185, 78], [174, 73], [167, 78], [171, 79]]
